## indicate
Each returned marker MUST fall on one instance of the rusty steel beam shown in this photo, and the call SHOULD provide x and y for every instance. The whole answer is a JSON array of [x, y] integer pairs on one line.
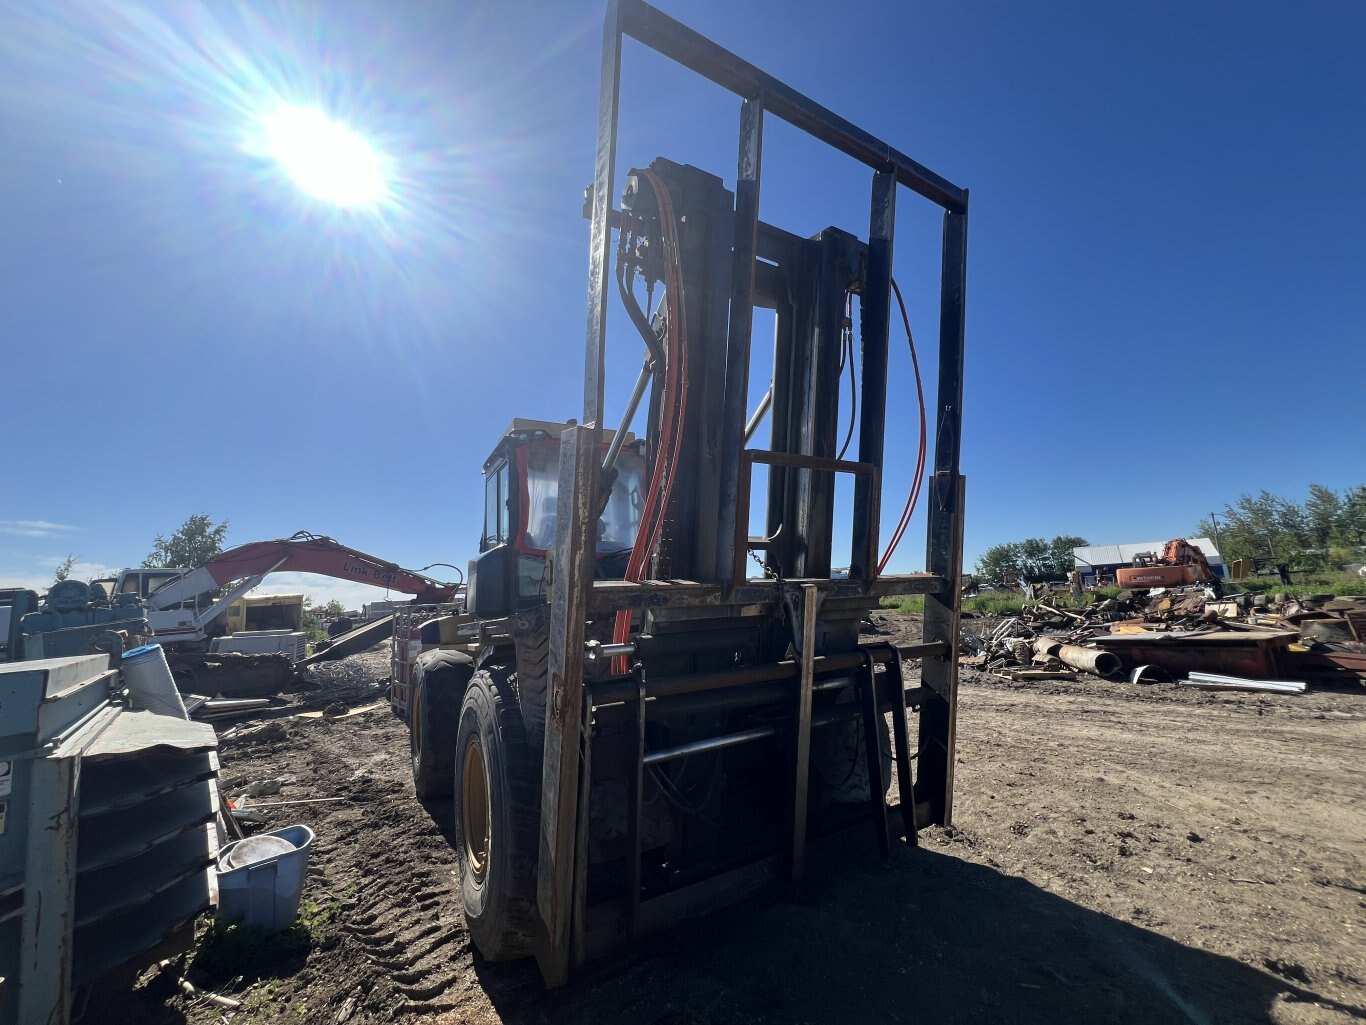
[[560, 794], [874, 315], [801, 740], [611, 595], [740, 328], [675, 40]]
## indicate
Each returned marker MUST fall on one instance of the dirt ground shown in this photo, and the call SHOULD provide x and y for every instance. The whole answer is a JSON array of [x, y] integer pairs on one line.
[[1119, 854]]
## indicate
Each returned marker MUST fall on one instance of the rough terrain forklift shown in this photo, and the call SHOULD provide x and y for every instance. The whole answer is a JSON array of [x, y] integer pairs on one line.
[[659, 712]]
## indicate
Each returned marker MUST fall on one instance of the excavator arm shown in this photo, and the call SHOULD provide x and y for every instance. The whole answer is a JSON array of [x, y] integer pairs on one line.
[[302, 553], [1180, 552]]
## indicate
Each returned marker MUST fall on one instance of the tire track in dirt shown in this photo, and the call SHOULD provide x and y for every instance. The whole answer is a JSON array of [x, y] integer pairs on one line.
[[410, 931], [398, 948]]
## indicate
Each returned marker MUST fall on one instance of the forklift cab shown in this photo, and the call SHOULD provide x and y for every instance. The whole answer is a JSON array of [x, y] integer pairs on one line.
[[521, 500]]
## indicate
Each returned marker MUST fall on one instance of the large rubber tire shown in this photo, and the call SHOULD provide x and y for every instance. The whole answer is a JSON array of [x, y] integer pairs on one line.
[[497, 848], [839, 765], [434, 711]]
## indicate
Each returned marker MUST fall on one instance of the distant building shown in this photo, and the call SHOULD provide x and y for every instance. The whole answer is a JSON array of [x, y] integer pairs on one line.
[[1105, 559]]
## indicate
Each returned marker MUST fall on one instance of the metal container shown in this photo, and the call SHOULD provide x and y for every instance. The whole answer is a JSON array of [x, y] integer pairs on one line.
[[106, 833], [150, 683]]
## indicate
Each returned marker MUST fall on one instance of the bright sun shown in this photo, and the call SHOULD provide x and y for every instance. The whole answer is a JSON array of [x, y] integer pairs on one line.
[[326, 159]]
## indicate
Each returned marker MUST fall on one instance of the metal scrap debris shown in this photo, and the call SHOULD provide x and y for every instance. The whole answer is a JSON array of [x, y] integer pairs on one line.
[[1214, 681], [1187, 635], [349, 681]]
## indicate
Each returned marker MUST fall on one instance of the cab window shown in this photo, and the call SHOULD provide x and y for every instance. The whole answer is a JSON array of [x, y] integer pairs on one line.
[[155, 580], [496, 530], [620, 518]]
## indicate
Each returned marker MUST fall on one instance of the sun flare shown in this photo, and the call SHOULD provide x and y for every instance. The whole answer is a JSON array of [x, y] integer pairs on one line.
[[326, 159]]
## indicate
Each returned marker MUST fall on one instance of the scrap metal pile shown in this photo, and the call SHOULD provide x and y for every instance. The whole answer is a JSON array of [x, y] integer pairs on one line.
[[333, 687], [1185, 636]]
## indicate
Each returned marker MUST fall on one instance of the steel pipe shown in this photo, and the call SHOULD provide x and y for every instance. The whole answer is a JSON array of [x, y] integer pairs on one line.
[[759, 414], [619, 435], [612, 691], [834, 683], [596, 651], [695, 642], [1089, 660], [752, 698], [666, 754]]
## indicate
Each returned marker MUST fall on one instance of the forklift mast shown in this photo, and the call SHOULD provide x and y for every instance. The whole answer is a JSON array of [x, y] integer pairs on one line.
[[684, 656]]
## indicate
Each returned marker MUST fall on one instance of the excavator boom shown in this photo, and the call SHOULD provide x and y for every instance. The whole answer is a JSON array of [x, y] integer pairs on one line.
[[302, 553]]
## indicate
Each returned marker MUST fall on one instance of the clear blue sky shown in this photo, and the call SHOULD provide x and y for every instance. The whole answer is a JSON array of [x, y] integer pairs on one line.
[[1165, 303]]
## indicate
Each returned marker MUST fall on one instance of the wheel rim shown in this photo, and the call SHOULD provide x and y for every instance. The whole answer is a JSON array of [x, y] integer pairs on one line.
[[474, 809]]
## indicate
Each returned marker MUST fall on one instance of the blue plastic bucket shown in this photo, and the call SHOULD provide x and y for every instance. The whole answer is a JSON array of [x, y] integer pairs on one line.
[[264, 892]]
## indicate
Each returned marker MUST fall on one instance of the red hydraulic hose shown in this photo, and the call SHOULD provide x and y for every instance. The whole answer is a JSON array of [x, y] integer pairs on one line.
[[674, 282], [673, 413]]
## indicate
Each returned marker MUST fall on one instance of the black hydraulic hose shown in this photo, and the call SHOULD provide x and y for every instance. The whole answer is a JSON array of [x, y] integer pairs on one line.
[[633, 310], [848, 351]]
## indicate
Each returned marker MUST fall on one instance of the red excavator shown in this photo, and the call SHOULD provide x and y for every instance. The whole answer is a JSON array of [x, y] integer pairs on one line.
[[183, 611], [178, 609], [1180, 563]]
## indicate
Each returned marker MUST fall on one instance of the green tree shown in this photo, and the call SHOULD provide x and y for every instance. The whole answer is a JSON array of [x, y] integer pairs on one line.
[[1325, 530], [998, 560], [1060, 554], [64, 569], [1034, 559], [1035, 555], [1322, 510], [1352, 518], [313, 617], [198, 540], [1257, 526]]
